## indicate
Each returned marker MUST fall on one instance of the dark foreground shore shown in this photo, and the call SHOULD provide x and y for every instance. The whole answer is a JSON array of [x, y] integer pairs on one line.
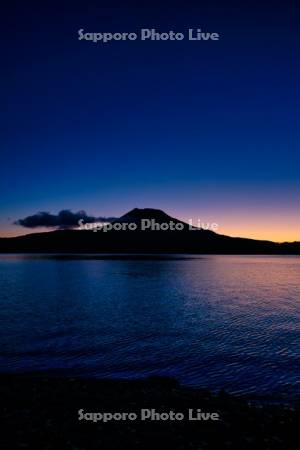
[[42, 413]]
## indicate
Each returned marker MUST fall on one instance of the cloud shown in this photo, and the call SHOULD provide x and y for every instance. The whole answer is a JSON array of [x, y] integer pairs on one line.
[[64, 219]]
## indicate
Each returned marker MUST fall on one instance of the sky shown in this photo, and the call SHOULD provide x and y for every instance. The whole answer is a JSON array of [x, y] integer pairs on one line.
[[202, 130]]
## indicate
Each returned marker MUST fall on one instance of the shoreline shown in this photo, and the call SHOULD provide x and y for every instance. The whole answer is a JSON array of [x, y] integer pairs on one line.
[[41, 411]]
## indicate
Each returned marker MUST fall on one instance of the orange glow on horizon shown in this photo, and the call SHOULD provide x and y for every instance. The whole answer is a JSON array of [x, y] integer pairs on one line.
[[268, 228], [274, 235]]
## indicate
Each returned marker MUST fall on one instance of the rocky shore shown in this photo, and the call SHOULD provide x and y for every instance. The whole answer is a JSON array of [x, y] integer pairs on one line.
[[48, 413]]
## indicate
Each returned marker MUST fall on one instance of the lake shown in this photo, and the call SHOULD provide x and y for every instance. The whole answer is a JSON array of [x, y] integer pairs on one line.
[[210, 321]]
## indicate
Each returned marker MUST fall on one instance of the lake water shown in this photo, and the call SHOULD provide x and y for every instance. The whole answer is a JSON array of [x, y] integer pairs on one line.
[[213, 321]]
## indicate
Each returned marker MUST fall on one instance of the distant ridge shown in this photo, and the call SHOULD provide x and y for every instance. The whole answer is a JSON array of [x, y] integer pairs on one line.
[[146, 241]]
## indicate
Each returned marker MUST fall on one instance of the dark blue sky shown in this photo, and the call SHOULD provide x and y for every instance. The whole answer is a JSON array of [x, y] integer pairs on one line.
[[206, 130]]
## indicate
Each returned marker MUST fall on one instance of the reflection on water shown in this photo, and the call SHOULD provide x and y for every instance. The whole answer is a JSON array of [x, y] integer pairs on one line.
[[215, 321]]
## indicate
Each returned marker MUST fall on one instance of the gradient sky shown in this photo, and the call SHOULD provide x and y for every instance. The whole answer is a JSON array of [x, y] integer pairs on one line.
[[206, 130]]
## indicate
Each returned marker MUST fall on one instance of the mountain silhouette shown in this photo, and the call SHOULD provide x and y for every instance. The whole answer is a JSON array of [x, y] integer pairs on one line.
[[147, 240], [137, 215]]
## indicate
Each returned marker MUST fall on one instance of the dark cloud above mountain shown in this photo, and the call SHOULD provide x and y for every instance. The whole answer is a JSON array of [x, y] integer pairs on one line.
[[64, 219]]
